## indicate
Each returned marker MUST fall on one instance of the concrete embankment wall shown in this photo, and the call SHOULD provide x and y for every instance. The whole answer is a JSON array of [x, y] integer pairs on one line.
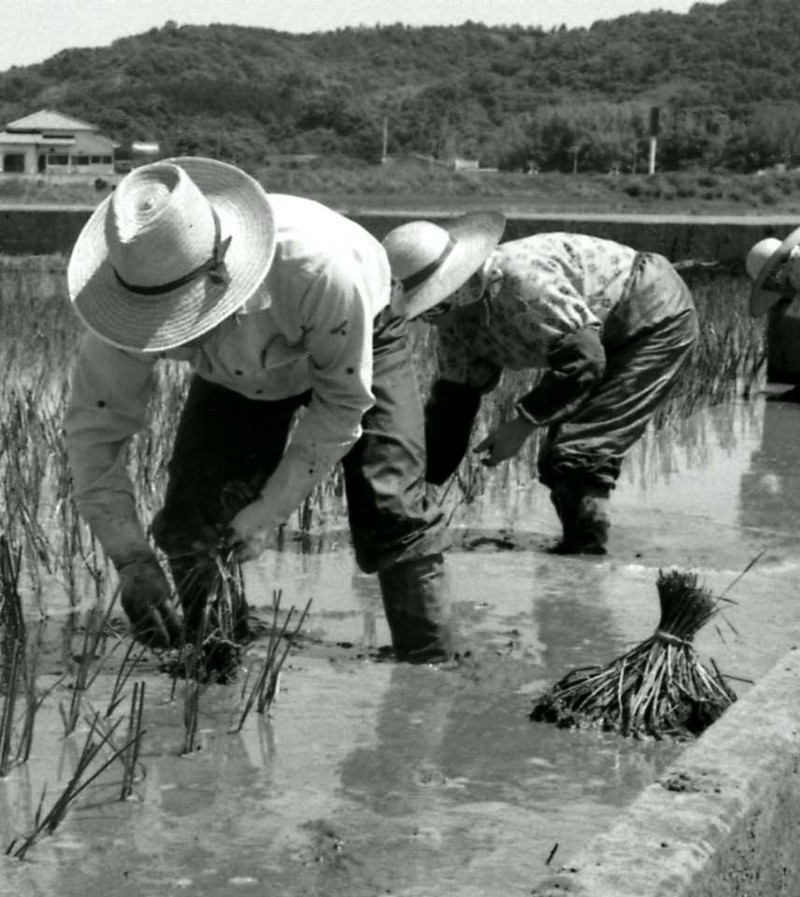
[[723, 821], [33, 230]]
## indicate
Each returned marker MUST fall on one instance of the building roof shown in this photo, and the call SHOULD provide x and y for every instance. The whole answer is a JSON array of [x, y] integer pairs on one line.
[[7, 138], [93, 144], [48, 120]]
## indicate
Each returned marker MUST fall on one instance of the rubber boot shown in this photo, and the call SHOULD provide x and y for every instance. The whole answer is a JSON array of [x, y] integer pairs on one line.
[[587, 523], [565, 501], [417, 604]]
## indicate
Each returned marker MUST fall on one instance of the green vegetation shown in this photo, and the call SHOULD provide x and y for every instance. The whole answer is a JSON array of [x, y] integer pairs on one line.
[[725, 78]]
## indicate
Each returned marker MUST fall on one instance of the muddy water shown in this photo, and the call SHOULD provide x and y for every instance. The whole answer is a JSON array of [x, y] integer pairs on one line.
[[376, 778]]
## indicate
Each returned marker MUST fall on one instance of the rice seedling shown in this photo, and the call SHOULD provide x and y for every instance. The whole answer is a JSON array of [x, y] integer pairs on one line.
[[133, 654], [130, 754], [659, 688], [79, 781], [89, 664], [13, 665], [266, 682], [12, 620]]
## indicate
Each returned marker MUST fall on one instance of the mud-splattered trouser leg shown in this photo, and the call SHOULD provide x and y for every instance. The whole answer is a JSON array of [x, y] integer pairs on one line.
[[397, 532], [580, 458], [225, 448]]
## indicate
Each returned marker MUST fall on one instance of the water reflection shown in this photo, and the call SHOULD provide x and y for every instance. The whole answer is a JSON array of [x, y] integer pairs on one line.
[[769, 489]]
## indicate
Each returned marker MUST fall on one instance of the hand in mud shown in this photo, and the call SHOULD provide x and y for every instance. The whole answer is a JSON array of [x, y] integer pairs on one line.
[[249, 531], [504, 441], [146, 600]]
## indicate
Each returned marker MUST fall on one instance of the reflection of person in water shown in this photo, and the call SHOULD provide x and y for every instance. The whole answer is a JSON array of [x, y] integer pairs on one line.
[[467, 734], [768, 497]]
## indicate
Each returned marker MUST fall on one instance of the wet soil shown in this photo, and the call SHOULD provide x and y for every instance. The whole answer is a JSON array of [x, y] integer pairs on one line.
[[372, 777]]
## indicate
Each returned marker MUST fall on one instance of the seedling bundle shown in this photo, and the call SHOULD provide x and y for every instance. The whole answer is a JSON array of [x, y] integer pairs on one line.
[[660, 688]]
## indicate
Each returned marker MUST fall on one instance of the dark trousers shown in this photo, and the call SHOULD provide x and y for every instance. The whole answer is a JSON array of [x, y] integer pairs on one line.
[[647, 339], [228, 445]]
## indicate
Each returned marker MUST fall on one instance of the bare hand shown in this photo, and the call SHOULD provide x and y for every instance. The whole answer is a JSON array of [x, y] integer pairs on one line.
[[504, 441], [146, 599]]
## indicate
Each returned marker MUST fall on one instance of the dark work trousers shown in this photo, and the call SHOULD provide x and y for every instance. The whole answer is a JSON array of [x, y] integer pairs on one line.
[[647, 339], [228, 445]]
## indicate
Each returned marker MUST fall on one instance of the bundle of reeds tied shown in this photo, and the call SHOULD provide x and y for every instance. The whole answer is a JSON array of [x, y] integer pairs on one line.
[[212, 650], [659, 688]]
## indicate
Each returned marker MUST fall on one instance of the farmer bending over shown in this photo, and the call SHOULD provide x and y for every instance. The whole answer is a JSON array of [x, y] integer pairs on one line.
[[610, 326], [279, 305]]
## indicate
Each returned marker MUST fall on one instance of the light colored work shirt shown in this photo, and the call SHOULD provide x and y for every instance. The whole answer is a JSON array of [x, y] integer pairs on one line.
[[541, 288], [309, 327]]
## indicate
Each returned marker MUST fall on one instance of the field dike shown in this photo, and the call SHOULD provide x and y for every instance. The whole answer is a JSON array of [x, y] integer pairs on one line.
[[36, 230], [723, 820]]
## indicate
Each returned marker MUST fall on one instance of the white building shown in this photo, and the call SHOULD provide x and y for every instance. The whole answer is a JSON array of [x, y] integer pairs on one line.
[[47, 143]]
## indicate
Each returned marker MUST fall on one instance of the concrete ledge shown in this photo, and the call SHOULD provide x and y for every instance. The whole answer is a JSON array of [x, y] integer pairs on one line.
[[723, 821], [40, 229]]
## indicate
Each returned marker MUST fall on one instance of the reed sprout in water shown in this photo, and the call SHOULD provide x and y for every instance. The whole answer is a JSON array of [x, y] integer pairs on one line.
[[659, 688], [81, 778], [89, 663], [265, 686]]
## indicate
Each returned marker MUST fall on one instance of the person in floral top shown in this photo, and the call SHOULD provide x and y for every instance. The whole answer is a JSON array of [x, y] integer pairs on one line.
[[609, 327]]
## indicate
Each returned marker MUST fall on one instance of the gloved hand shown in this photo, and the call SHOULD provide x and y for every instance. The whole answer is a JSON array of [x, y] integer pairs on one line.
[[145, 596], [250, 530], [504, 441]]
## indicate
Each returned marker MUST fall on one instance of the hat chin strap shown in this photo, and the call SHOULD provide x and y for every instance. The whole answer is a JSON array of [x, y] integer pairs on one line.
[[212, 266], [418, 277]]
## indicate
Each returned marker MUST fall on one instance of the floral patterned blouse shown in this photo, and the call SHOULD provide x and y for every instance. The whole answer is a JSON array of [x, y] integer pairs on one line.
[[541, 288]]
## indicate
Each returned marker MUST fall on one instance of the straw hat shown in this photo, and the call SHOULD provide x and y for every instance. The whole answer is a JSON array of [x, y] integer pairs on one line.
[[762, 259], [179, 246], [432, 261]]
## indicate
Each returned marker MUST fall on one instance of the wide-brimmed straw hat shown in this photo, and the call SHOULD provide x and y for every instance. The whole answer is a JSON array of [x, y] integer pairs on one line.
[[762, 259], [179, 246], [432, 261]]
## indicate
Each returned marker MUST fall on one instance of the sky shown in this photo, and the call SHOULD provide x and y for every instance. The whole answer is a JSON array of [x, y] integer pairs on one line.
[[33, 30]]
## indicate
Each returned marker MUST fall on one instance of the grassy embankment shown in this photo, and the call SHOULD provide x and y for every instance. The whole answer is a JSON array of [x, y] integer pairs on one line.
[[410, 186]]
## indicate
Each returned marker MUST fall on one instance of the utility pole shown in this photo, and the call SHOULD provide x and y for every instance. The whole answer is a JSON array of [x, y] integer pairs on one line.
[[385, 139], [654, 115]]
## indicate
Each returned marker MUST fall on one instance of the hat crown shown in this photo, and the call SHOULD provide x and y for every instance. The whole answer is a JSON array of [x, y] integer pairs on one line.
[[759, 255], [159, 226], [414, 246]]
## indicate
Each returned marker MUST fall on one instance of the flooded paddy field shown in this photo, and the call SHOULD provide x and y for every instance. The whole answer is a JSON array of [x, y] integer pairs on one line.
[[370, 777]]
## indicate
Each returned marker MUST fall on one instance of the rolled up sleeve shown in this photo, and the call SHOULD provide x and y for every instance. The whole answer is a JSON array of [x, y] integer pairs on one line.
[[110, 391]]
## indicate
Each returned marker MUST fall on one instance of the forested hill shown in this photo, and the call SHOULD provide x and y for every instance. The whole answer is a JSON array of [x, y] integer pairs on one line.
[[726, 78]]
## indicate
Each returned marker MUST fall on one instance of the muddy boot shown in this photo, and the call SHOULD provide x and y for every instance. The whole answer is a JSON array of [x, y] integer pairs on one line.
[[416, 600], [565, 501], [587, 532]]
